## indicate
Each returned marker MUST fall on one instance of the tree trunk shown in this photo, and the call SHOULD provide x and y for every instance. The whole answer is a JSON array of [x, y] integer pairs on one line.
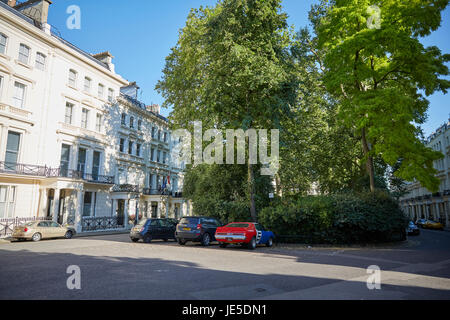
[[369, 162], [251, 189]]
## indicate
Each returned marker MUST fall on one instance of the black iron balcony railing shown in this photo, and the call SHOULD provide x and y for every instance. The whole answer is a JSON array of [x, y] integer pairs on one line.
[[44, 171], [149, 191], [130, 188], [26, 169]]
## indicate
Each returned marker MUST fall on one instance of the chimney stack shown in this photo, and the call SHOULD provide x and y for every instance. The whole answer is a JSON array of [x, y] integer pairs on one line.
[[155, 108], [35, 9], [105, 57]]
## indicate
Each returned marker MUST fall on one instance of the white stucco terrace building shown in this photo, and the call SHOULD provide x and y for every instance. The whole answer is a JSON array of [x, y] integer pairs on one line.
[[421, 203], [76, 145]]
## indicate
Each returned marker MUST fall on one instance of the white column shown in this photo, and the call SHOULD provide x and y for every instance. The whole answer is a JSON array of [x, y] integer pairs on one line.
[[125, 213], [56, 204], [78, 211], [44, 203], [159, 209]]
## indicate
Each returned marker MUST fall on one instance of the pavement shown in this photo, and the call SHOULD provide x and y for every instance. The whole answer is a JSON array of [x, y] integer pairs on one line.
[[112, 267]]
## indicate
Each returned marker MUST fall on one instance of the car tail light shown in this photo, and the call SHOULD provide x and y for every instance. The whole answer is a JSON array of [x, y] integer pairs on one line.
[[25, 230], [199, 226]]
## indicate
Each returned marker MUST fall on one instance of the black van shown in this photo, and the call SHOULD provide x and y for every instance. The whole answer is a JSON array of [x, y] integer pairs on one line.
[[197, 229]]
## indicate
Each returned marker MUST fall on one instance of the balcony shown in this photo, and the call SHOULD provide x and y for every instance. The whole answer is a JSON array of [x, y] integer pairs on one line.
[[88, 177], [150, 192], [128, 188], [47, 172], [27, 169]]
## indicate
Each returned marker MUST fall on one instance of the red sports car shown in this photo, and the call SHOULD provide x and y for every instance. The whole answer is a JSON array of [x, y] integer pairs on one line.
[[249, 234]]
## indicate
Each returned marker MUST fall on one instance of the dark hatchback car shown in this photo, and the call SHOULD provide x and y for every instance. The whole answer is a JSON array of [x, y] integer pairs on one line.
[[197, 229], [150, 229]]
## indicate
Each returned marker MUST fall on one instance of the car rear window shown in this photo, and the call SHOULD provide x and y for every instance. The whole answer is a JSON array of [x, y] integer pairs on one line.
[[237, 225], [189, 221]]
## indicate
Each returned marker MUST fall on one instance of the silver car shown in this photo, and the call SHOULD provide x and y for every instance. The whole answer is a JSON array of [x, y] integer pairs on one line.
[[38, 230]]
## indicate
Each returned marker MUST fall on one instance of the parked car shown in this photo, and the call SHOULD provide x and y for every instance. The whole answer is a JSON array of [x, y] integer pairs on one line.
[[197, 229], [429, 224], [420, 222], [38, 230], [248, 234], [150, 229], [412, 229]]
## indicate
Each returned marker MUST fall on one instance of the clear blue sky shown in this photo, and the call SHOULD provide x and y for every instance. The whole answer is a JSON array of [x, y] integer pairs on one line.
[[140, 34]]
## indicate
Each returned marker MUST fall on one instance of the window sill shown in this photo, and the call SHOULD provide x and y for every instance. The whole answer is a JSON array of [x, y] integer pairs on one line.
[[4, 56], [20, 63]]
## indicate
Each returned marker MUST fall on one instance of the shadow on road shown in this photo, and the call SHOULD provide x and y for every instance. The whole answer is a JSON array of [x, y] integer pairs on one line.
[[43, 275]]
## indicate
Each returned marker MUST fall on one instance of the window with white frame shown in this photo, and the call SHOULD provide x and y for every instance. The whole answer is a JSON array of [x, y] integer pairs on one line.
[[138, 149], [12, 149], [98, 122], [73, 78], [69, 113], [19, 95], [24, 53], [1, 86], [139, 125], [101, 90], [87, 84], [40, 61], [122, 145], [7, 201], [84, 118], [110, 95], [132, 122], [123, 119], [130, 147], [3, 41]]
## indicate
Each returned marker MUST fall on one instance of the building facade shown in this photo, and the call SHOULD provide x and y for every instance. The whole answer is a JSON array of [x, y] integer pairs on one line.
[[421, 203], [76, 145]]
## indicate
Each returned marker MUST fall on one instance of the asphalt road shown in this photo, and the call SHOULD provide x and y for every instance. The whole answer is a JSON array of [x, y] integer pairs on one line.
[[112, 267]]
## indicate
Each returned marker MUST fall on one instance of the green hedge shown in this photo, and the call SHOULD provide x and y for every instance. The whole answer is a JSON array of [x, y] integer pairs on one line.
[[337, 218]]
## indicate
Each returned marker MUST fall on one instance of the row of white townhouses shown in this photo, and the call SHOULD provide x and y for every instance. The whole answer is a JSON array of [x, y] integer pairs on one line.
[[419, 202], [76, 145]]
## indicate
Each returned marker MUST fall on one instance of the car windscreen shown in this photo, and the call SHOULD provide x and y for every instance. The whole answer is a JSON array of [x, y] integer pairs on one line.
[[189, 221], [237, 225]]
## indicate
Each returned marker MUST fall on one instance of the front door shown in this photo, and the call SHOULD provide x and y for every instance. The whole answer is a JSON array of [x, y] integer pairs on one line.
[[154, 210], [120, 212]]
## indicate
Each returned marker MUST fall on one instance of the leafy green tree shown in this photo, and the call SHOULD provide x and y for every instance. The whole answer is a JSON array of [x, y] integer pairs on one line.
[[380, 72], [219, 190], [231, 70]]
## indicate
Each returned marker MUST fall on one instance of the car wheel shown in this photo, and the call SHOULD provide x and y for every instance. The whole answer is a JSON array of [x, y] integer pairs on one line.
[[223, 245], [68, 235], [181, 242], [206, 240], [252, 244], [147, 238], [269, 242], [36, 237], [134, 239]]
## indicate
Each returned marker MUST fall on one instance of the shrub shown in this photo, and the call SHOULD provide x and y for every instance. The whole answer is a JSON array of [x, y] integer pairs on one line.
[[336, 218]]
